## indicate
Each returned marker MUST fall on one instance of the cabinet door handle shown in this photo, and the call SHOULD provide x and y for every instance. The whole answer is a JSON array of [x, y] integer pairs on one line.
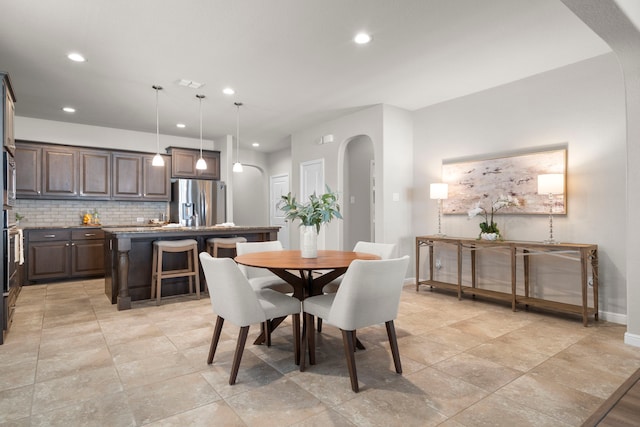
[[49, 236], [67, 244]]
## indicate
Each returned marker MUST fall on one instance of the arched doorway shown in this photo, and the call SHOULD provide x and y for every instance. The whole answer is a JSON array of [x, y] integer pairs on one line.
[[250, 207], [358, 191]]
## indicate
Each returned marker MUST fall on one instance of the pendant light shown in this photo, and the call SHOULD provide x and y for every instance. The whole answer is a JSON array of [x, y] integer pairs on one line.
[[237, 166], [201, 164], [157, 159]]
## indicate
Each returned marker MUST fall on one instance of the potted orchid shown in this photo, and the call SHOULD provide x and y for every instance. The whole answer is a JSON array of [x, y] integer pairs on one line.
[[317, 211], [488, 228]]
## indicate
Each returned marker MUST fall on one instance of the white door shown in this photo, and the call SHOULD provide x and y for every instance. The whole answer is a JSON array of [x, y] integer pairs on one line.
[[279, 186], [312, 181]]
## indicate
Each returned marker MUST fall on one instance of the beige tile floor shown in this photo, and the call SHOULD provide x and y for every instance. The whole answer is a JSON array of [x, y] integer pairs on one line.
[[71, 359]]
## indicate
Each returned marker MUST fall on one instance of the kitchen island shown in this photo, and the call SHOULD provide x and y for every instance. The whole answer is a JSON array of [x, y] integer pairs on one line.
[[128, 257]]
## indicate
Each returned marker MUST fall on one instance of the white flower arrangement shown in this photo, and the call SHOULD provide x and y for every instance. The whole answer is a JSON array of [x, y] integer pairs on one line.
[[488, 226]]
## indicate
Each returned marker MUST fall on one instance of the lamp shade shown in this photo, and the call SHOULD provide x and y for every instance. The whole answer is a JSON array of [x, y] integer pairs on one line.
[[439, 191], [551, 183]]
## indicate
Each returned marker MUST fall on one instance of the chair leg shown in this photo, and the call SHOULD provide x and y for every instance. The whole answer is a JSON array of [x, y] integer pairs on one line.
[[348, 340], [303, 350], [266, 331], [214, 340], [196, 268], [296, 337], [158, 283], [237, 357], [154, 271], [311, 339], [319, 325], [190, 260], [393, 342]]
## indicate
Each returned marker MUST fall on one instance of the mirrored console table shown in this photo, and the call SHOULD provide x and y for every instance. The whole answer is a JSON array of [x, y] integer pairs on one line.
[[585, 254]]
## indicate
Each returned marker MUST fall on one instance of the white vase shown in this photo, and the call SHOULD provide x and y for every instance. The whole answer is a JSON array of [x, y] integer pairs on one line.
[[308, 241], [489, 236]]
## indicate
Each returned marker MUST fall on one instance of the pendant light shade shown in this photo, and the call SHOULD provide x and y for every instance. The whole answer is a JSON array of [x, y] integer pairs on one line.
[[201, 164], [237, 166], [157, 159]]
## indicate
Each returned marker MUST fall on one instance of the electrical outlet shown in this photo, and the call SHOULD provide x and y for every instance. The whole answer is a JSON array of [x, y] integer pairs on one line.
[[438, 264], [140, 219]]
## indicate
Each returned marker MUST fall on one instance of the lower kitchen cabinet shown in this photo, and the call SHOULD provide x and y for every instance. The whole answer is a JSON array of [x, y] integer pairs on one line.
[[64, 253]]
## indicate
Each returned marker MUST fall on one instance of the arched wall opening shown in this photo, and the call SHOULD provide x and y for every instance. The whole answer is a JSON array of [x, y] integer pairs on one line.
[[358, 191]]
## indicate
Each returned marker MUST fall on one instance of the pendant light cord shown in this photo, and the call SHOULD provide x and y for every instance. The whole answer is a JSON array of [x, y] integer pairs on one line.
[[200, 97], [238, 105], [157, 88]]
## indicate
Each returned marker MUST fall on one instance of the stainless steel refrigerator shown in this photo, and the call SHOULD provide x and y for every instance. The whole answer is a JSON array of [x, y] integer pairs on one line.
[[198, 202]]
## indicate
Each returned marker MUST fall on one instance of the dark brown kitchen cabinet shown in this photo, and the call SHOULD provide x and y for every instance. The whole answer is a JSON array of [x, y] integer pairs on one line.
[[28, 171], [95, 174], [127, 176], [59, 172], [183, 163], [87, 252], [156, 180], [56, 254], [52, 171], [134, 177]]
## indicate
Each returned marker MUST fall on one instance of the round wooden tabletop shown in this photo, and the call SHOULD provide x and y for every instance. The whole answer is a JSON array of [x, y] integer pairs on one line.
[[292, 260]]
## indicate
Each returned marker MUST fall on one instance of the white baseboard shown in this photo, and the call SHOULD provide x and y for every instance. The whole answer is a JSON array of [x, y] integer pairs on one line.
[[613, 317], [632, 339]]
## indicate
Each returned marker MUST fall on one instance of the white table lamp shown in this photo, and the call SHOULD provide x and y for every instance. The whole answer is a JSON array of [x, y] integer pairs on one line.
[[551, 184], [439, 191]]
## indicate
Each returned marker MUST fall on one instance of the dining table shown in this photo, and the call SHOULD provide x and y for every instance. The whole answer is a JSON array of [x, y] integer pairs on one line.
[[307, 276]]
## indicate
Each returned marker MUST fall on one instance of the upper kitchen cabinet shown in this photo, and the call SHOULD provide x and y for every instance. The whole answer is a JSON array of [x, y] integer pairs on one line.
[[95, 174], [135, 178], [8, 107], [46, 171], [127, 176], [59, 172], [183, 164], [52, 171], [156, 180], [28, 170]]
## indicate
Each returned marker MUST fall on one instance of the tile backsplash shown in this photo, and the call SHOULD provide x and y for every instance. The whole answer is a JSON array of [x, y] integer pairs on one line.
[[63, 213]]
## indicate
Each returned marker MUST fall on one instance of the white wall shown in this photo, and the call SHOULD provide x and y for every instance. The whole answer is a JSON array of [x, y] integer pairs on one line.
[[396, 179], [101, 137], [582, 105], [304, 147]]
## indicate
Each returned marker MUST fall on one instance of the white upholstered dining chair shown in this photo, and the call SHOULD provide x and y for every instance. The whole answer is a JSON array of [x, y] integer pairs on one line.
[[369, 295], [383, 250], [261, 278], [233, 299]]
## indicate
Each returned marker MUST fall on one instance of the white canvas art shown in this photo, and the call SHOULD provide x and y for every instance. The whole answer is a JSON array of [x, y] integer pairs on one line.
[[485, 180]]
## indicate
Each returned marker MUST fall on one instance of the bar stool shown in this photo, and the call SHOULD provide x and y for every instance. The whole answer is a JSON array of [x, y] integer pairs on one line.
[[192, 271], [215, 243]]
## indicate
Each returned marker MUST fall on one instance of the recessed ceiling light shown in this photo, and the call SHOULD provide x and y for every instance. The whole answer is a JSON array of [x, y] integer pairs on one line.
[[69, 109], [76, 57], [228, 91], [255, 144], [181, 125], [362, 38]]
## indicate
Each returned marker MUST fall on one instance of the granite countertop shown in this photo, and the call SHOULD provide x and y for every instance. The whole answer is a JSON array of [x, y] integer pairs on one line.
[[82, 226], [163, 229]]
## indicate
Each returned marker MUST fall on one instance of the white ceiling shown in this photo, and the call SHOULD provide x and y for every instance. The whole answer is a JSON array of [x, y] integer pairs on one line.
[[292, 62]]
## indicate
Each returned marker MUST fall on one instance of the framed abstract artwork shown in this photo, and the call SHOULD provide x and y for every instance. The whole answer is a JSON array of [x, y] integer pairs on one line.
[[485, 179]]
